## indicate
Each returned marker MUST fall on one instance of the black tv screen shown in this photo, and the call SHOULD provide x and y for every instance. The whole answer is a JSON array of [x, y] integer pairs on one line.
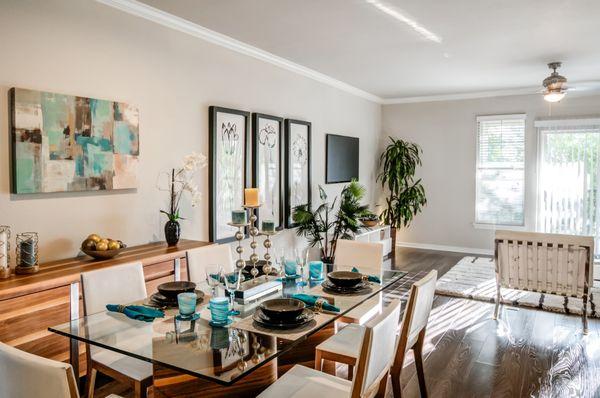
[[342, 158]]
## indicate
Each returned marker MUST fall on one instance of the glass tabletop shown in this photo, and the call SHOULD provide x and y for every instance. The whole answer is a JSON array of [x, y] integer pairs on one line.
[[219, 354]]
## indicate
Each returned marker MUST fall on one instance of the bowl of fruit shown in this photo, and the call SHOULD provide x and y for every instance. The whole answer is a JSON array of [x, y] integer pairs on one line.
[[101, 248], [370, 220]]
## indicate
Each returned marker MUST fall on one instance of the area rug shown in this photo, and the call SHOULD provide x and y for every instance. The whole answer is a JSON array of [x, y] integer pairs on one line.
[[474, 278]]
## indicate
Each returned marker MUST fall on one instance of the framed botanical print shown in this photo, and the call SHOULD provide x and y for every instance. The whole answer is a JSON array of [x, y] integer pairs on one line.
[[267, 166], [229, 166], [297, 167]]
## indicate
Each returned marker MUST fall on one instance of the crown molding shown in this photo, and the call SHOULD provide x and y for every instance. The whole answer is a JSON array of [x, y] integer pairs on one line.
[[461, 96], [174, 22]]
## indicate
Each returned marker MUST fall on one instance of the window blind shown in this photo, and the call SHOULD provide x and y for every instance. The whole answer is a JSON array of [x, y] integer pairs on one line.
[[500, 170]]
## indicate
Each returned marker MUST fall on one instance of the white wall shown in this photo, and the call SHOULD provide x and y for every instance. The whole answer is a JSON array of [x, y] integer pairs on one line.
[[85, 48], [446, 131]]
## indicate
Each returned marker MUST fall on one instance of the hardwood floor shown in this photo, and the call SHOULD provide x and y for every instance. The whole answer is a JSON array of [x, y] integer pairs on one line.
[[527, 353]]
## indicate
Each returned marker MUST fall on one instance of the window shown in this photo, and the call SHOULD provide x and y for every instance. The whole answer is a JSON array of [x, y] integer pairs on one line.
[[569, 177], [500, 184]]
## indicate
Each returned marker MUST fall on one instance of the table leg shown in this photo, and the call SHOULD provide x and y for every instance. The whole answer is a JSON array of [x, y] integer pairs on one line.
[[73, 316]]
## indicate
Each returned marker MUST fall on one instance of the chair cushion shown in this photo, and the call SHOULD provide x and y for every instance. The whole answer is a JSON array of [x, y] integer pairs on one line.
[[301, 382], [133, 368], [345, 342]]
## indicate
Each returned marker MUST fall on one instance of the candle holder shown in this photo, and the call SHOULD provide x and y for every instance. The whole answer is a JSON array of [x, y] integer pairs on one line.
[[4, 251], [27, 253], [239, 236], [267, 268], [253, 231]]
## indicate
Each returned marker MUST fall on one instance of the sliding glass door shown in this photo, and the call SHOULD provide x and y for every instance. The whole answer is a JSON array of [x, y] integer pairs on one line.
[[569, 178]]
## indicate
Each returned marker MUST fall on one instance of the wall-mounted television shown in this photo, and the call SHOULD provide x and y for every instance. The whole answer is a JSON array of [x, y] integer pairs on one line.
[[341, 158]]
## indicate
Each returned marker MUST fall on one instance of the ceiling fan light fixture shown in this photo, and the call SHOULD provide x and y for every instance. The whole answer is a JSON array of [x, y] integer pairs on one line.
[[554, 96]]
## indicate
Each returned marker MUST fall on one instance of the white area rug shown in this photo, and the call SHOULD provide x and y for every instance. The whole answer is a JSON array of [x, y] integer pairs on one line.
[[474, 278]]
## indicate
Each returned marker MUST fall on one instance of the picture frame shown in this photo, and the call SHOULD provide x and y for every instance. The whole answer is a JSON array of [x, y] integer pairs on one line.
[[229, 168], [297, 166], [267, 174]]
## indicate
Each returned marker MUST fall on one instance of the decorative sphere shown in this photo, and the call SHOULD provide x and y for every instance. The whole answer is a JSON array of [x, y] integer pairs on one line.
[[239, 235], [239, 263], [267, 269], [242, 365], [239, 249], [253, 218], [253, 231], [253, 244], [267, 243], [254, 258], [254, 271], [267, 256]]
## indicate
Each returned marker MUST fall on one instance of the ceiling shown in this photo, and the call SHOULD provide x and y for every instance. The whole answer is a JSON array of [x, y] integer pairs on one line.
[[399, 49]]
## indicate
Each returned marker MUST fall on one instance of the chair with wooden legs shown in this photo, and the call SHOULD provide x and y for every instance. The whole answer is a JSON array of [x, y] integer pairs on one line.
[[122, 284], [412, 331], [199, 258], [372, 368], [368, 259], [342, 347]]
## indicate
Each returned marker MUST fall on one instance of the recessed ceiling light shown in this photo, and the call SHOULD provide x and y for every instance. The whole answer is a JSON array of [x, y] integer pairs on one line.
[[395, 13]]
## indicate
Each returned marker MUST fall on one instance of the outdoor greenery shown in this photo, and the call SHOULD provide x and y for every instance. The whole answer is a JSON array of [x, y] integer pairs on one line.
[[405, 196], [325, 225]]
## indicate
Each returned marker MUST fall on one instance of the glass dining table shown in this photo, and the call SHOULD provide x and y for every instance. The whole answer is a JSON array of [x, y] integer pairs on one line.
[[221, 355]]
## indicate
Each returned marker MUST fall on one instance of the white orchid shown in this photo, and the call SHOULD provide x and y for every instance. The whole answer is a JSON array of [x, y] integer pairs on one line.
[[182, 180]]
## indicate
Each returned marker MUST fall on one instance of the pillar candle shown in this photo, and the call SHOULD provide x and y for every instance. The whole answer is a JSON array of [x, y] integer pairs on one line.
[[3, 249], [238, 217], [251, 196], [268, 226]]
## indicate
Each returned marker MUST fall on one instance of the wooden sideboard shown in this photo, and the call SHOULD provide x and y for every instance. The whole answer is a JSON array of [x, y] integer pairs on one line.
[[29, 304]]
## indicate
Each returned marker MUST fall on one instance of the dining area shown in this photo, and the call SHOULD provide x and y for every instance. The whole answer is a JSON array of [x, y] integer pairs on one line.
[[214, 330]]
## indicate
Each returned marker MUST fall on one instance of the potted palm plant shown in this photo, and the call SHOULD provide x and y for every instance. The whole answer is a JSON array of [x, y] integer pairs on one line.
[[405, 195], [323, 226]]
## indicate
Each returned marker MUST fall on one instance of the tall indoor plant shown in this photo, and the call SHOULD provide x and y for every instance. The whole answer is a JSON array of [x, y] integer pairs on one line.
[[324, 226], [405, 196]]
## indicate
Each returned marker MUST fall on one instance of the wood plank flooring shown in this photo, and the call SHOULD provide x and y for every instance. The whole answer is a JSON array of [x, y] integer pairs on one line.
[[527, 353]]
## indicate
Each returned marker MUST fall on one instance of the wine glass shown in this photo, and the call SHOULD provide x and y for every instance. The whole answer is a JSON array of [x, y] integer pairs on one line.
[[232, 282], [280, 261], [213, 277], [301, 260]]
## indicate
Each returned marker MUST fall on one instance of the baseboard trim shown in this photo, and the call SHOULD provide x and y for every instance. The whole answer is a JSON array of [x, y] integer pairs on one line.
[[444, 248]]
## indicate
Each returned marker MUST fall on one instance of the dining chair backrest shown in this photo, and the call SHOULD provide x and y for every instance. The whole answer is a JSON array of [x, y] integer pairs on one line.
[[418, 308], [362, 255], [121, 284], [377, 351], [24, 375], [199, 258]]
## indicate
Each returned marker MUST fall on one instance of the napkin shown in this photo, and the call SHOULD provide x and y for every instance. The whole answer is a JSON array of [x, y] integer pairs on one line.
[[370, 278], [310, 300], [138, 312]]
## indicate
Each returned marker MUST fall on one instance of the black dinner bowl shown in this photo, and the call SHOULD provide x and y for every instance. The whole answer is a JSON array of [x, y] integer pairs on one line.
[[283, 308], [171, 289], [345, 278]]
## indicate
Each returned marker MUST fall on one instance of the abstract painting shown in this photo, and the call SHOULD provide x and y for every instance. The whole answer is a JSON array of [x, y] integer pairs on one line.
[[64, 143], [228, 168], [268, 160], [297, 162]]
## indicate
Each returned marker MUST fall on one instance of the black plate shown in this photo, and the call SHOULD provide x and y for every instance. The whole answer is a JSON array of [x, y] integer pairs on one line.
[[361, 288], [171, 289], [307, 317], [160, 300], [282, 308], [296, 321]]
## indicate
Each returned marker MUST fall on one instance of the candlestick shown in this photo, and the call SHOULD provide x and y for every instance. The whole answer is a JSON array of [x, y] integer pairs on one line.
[[253, 231], [267, 268], [251, 197]]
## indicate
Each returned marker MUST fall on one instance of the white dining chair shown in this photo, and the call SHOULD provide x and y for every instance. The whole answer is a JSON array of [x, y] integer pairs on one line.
[[343, 347], [375, 359], [197, 260], [368, 259], [24, 375], [121, 284]]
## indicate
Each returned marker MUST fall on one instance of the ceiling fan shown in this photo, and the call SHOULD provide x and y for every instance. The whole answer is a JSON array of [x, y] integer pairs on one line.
[[555, 85]]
